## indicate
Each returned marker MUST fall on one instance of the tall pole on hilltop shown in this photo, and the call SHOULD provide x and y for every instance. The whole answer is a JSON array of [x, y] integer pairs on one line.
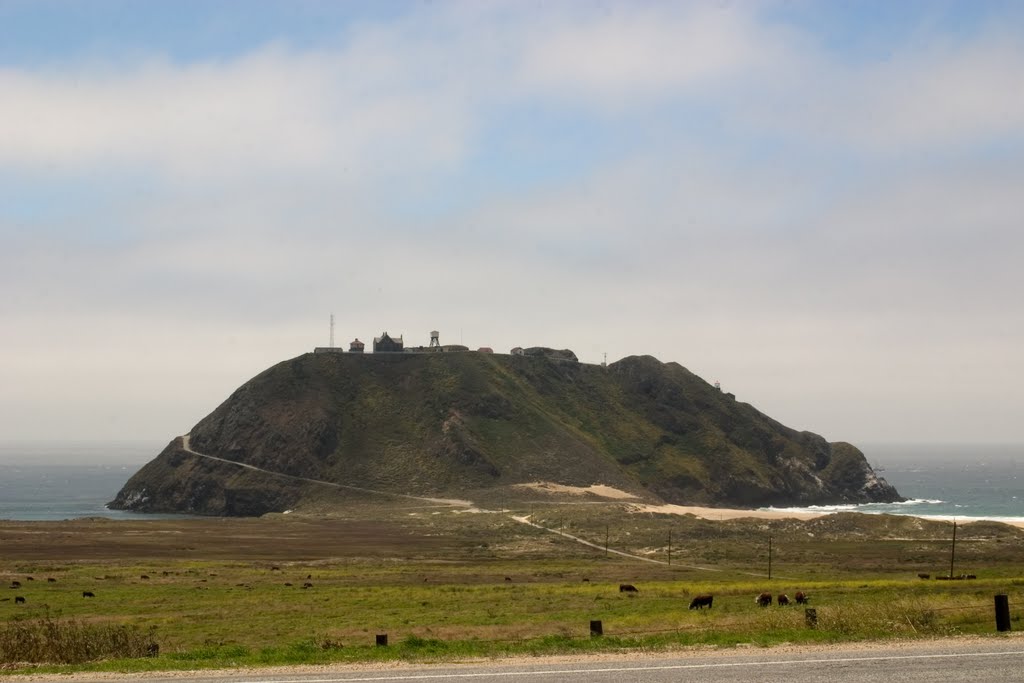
[[769, 557], [670, 547]]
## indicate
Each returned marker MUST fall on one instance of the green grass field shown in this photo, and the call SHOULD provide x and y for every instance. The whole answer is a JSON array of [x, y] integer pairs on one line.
[[452, 600]]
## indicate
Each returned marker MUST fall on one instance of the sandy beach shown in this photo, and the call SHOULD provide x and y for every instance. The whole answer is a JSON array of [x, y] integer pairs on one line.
[[731, 513]]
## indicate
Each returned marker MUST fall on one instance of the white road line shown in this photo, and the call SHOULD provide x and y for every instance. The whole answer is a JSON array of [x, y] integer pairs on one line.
[[624, 669]]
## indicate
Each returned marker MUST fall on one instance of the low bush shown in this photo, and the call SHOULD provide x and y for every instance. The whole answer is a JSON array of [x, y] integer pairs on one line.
[[49, 640]]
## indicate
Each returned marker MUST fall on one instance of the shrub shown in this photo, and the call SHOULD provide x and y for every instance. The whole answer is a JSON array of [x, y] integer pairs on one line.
[[48, 640]]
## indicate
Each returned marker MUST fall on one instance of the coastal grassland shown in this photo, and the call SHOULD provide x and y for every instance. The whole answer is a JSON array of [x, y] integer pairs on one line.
[[435, 582]]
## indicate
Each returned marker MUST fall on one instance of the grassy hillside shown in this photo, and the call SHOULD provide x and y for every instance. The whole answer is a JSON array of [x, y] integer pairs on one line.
[[471, 424]]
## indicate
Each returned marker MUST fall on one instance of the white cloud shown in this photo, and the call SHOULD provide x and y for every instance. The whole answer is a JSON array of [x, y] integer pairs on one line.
[[809, 287]]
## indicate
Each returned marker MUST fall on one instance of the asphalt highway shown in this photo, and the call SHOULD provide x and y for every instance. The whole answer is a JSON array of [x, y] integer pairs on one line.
[[995, 660]]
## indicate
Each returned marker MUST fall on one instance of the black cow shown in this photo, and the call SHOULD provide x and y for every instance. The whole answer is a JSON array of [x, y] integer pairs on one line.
[[18, 600], [628, 588], [700, 601], [88, 594], [15, 584]]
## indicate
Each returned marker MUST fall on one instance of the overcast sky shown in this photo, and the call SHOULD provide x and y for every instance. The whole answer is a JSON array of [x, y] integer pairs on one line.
[[818, 204]]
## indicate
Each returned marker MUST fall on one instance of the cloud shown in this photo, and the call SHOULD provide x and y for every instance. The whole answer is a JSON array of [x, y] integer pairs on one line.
[[717, 190], [648, 51], [271, 112], [930, 97]]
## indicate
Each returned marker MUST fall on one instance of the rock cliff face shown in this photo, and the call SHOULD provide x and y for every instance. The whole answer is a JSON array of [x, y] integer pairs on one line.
[[465, 423]]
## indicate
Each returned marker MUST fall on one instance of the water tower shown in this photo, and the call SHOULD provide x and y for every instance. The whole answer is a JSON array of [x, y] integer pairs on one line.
[[435, 339]]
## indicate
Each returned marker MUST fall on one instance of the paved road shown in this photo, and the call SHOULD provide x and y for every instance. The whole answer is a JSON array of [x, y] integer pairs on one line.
[[990, 661]]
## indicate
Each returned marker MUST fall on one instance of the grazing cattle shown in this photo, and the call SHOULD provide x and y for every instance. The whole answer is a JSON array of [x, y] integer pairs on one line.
[[18, 600], [15, 584], [51, 580], [782, 600], [586, 580], [801, 598], [144, 576], [287, 584], [508, 578], [275, 569], [88, 594], [701, 601], [29, 578], [307, 585], [972, 576], [763, 600], [628, 588], [922, 575]]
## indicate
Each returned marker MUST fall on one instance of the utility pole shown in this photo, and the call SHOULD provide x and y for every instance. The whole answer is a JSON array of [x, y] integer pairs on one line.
[[769, 558], [606, 541], [670, 547], [952, 553]]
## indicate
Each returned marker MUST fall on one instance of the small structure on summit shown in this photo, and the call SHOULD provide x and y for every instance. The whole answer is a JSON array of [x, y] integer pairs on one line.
[[356, 346], [387, 344]]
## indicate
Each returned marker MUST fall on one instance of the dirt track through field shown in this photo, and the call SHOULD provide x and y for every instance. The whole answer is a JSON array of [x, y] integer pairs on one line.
[[454, 502]]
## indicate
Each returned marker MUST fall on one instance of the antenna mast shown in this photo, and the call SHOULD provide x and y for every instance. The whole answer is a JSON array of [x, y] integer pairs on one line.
[[332, 331]]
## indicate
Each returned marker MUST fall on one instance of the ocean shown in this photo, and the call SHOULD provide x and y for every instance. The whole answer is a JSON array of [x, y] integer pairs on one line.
[[947, 482], [52, 481], [68, 480]]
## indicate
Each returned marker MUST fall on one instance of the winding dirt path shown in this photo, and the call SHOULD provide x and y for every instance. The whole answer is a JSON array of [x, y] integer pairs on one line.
[[452, 502]]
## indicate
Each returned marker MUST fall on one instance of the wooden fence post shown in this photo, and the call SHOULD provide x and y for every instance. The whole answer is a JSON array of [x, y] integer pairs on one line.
[[382, 640], [1002, 613], [596, 629]]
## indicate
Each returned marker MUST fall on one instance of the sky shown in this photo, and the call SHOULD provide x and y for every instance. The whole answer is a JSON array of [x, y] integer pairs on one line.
[[817, 204]]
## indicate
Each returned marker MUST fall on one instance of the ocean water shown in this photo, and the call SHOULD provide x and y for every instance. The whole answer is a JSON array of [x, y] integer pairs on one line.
[[52, 481], [68, 480], [948, 482]]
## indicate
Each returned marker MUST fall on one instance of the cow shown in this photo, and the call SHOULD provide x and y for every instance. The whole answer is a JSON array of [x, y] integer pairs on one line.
[[144, 577], [922, 575], [51, 580], [763, 600], [15, 584], [782, 600], [18, 600], [586, 580], [628, 588], [801, 598], [700, 601], [287, 584], [307, 585], [88, 594], [508, 578]]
